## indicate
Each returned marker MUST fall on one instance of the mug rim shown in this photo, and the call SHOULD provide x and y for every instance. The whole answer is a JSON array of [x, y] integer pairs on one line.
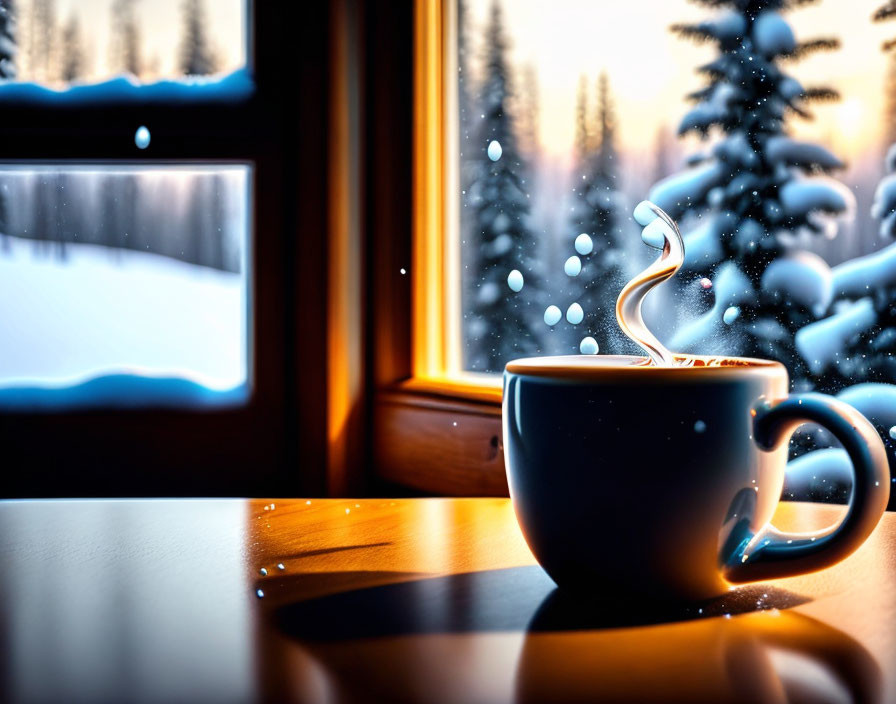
[[598, 367]]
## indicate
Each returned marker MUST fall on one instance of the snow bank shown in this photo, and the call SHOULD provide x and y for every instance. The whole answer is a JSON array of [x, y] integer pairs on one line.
[[232, 87], [113, 322], [819, 343], [121, 391], [860, 276], [803, 277]]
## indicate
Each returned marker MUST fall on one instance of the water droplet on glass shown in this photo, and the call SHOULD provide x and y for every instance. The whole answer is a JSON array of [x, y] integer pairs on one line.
[[699, 426], [573, 266], [142, 137], [281, 566], [583, 244], [731, 315], [575, 314], [515, 280], [552, 315], [259, 593], [263, 571], [893, 432], [588, 345], [705, 284], [494, 150]]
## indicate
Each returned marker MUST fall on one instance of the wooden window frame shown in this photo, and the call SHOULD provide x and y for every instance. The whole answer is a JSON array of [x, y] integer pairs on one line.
[[276, 442], [435, 429]]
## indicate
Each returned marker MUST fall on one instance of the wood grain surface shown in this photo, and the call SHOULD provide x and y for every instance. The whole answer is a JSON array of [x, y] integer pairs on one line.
[[431, 600]]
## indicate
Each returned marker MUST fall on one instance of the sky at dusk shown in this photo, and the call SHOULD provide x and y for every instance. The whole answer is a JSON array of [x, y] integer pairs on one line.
[[651, 69]]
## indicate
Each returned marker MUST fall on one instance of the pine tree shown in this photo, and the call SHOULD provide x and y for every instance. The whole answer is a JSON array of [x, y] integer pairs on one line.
[[500, 324], [196, 55], [72, 51], [42, 31], [125, 47], [756, 191], [596, 213], [8, 46]]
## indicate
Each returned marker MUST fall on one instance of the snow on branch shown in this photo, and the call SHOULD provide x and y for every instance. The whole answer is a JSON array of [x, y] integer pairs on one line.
[[884, 197], [790, 152], [806, 195], [862, 275], [680, 191], [803, 277], [821, 342], [772, 34]]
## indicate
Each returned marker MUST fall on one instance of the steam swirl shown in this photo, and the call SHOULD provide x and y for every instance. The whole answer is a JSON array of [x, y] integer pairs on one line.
[[628, 305]]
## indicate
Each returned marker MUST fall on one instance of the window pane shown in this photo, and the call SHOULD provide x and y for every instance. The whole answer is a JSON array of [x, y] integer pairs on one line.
[[767, 135], [568, 115], [60, 42], [124, 285]]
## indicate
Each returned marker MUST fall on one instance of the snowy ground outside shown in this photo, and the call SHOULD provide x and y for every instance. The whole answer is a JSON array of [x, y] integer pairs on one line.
[[115, 321]]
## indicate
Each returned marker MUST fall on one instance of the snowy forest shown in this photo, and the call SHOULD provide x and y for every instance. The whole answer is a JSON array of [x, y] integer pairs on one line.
[[789, 248], [168, 244]]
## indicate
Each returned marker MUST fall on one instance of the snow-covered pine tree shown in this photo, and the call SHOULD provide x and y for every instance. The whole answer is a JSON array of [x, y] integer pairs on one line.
[[8, 46], [757, 192], [499, 323], [125, 51], [595, 212], [196, 54], [857, 343]]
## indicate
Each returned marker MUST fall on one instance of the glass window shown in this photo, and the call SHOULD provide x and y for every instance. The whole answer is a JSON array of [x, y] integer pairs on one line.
[[766, 135], [569, 114], [124, 284], [61, 42]]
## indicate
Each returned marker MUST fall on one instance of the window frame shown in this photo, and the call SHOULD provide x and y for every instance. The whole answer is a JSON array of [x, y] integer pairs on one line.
[[435, 430], [276, 442]]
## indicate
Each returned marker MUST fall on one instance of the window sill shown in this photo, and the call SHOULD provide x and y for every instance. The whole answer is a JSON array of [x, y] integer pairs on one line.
[[441, 436]]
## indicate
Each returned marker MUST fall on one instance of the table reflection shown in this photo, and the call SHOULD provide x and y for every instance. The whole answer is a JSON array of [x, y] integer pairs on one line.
[[104, 601], [508, 634]]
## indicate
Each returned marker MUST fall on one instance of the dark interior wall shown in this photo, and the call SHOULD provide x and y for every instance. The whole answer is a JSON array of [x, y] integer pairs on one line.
[[388, 177]]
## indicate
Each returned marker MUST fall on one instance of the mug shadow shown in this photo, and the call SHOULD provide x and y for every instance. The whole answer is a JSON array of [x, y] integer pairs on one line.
[[586, 649], [512, 599]]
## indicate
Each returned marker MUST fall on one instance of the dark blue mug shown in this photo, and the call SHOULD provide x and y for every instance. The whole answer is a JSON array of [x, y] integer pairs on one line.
[[633, 479]]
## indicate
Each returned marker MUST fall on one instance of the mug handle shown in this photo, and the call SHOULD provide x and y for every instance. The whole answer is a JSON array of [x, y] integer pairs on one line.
[[770, 554]]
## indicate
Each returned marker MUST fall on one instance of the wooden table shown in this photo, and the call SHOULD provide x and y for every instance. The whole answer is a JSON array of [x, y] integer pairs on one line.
[[434, 600]]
